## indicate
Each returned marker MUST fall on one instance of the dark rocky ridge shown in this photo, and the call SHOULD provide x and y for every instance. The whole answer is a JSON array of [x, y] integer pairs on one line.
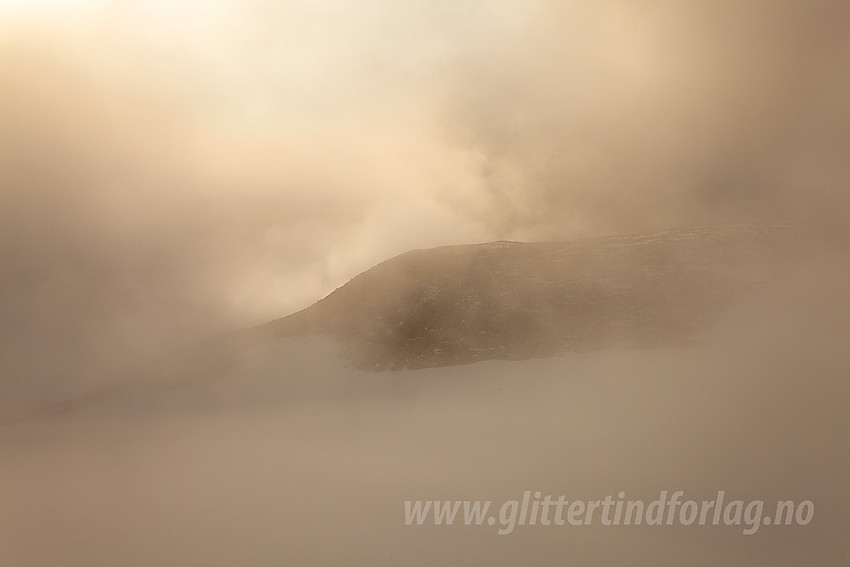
[[508, 300], [513, 300]]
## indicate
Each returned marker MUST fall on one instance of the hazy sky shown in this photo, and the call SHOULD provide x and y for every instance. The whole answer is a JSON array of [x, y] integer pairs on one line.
[[169, 169]]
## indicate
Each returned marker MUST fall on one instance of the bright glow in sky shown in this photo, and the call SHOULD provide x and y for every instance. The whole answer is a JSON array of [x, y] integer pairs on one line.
[[364, 129], [40, 6]]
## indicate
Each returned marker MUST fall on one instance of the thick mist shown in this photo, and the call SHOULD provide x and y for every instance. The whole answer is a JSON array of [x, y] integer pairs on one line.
[[170, 171], [617, 116], [294, 458]]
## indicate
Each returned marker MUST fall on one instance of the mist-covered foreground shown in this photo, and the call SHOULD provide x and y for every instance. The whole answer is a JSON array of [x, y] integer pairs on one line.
[[296, 459]]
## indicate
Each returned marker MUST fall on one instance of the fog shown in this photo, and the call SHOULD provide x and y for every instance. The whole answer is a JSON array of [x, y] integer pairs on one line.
[[294, 458], [170, 171]]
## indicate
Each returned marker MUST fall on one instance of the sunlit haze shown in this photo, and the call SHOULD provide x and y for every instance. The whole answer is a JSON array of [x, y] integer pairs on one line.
[[174, 170]]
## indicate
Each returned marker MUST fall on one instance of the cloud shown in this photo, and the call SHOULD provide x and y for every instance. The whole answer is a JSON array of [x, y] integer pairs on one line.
[[171, 169], [165, 177], [295, 451], [617, 116], [168, 171]]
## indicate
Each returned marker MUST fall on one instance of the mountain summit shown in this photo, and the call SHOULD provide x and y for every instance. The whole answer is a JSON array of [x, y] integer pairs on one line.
[[516, 300], [457, 305]]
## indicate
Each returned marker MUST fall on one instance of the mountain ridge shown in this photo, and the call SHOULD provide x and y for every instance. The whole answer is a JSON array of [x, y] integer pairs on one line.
[[515, 300], [461, 304]]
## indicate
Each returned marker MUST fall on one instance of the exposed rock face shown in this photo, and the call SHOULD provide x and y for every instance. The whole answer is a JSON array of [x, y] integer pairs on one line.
[[512, 300]]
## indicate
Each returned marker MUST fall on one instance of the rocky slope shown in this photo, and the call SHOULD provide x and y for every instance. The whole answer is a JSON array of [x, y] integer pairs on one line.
[[505, 300], [515, 300]]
